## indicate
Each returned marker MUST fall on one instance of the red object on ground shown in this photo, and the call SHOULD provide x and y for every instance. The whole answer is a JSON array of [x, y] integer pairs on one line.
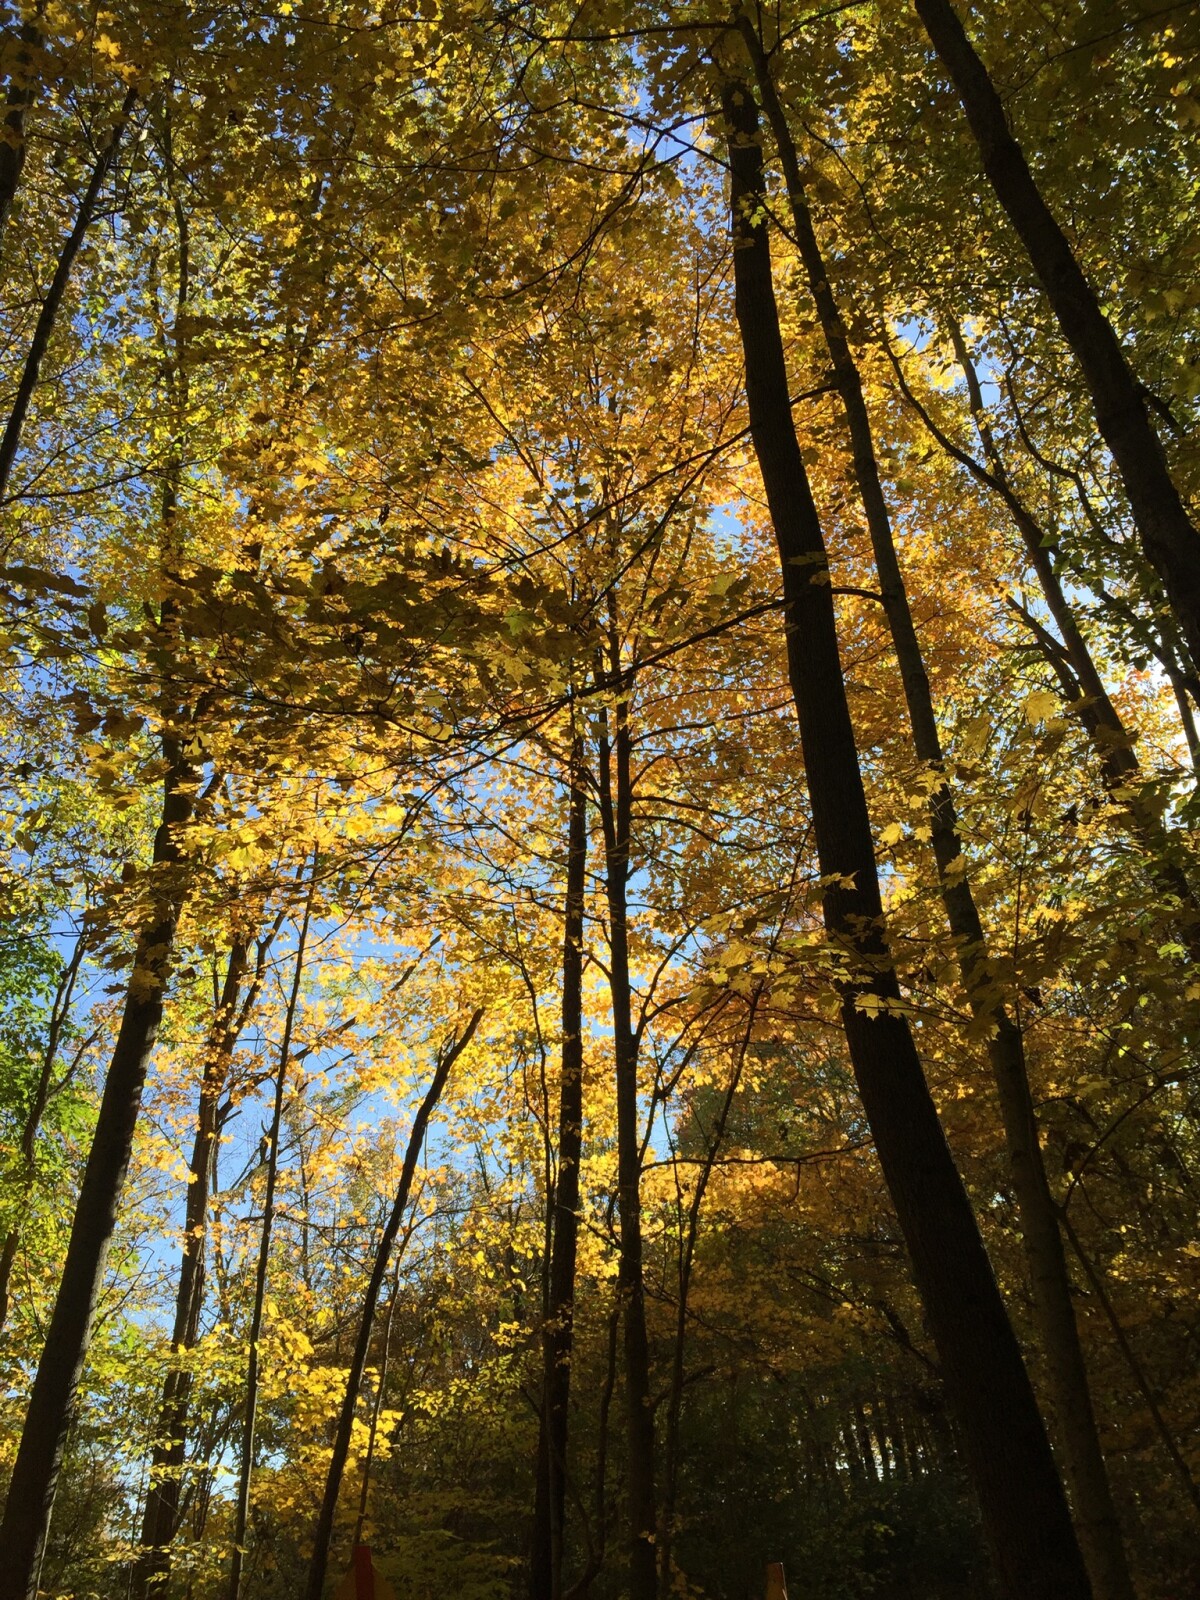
[[364, 1573]]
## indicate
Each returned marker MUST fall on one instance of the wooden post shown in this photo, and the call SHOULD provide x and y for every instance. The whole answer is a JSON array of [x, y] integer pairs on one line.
[[776, 1582]]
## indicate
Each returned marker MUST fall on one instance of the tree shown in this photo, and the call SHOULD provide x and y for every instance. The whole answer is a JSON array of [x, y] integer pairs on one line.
[[1170, 540], [389, 465], [970, 1325]]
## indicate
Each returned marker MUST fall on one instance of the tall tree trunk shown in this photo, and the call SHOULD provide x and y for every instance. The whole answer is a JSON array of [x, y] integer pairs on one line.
[[616, 815], [1008, 1454], [1054, 1311], [51, 1402], [18, 100], [250, 1415], [345, 1427], [10, 442], [546, 1566], [1169, 539], [30, 1500], [161, 1515]]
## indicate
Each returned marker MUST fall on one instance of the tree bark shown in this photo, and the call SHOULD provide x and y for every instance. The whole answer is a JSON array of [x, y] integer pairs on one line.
[[1008, 1454], [546, 1567], [1168, 537], [10, 442], [250, 1415], [51, 1402], [1054, 1311], [18, 100], [1166, 1437], [161, 1516], [1071, 661], [366, 1322], [364, 1488], [615, 812], [866, 1443], [687, 1254]]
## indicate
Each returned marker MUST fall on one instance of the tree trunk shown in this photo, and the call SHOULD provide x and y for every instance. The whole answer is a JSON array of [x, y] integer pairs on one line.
[[1174, 1453], [250, 1415], [1169, 540], [364, 1488], [866, 1443], [1072, 661], [687, 1255], [1008, 1454], [1054, 1312], [51, 1402], [33, 1120], [161, 1515], [18, 99], [10, 442], [896, 1440], [558, 1336], [597, 1540], [341, 1442], [615, 811]]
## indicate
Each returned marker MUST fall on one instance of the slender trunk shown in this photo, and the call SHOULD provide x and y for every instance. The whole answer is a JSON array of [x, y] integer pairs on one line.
[[888, 1450], [250, 1415], [1097, 712], [1169, 539], [8, 1260], [615, 810], [598, 1543], [850, 1450], [1183, 701], [1071, 660], [865, 1443], [11, 440], [51, 1402], [1008, 1454], [1054, 1312], [558, 1335], [18, 100], [161, 1516], [364, 1488], [30, 1500], [358, 1361], [897, 1441], [666, 1534], [1174, 1454], [33, 1120]]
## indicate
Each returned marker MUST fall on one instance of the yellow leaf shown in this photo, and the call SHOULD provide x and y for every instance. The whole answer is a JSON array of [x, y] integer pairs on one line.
[[1040, 705]]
